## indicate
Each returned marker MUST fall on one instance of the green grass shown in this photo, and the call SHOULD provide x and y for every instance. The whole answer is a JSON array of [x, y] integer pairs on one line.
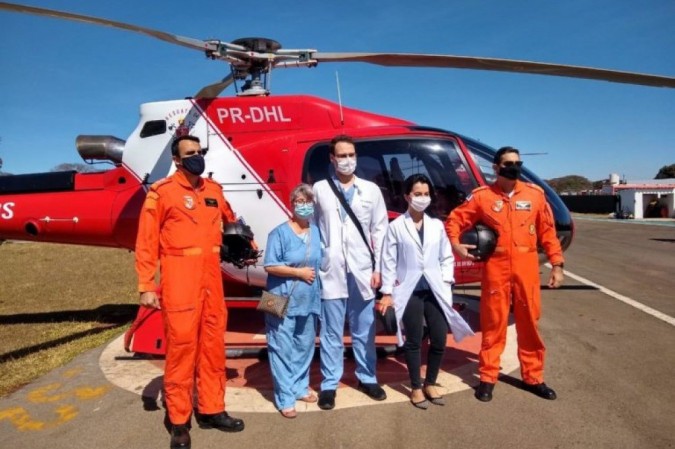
[[57, 301]]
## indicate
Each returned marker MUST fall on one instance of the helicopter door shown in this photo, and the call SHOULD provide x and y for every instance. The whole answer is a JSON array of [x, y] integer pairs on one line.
[[254, 182]]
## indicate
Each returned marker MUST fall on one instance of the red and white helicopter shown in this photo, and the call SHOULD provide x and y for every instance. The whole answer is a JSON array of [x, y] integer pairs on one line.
[[259, 147]]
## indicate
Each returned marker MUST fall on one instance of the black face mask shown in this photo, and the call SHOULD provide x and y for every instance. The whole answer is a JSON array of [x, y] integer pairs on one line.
[[509, 172], [194, 164]]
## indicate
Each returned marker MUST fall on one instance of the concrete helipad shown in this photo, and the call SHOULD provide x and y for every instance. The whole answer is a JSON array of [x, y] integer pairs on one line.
[[249, 384], [610, 343]]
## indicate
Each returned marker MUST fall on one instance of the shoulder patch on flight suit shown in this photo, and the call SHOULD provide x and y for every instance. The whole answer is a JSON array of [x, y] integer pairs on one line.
[[534, 186], [162, 182], [153, 193], [151, 200], [212, 186], [477, 190]]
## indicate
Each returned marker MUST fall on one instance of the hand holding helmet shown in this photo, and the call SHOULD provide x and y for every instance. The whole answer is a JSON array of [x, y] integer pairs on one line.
[[238, 246], [477, 243]]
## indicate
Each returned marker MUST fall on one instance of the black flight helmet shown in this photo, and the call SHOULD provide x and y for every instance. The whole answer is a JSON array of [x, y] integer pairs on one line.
[[237, 245], [483, 237]]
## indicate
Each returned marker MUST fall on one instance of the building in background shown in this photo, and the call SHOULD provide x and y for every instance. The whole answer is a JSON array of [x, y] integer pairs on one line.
[[653, 198]]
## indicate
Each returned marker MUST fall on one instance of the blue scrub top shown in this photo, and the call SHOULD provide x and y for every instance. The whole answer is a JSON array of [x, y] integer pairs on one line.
[[285, 247]]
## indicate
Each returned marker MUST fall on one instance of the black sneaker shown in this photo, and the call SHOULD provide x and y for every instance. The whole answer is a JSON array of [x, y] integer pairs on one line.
[[180, 437], [327, 399], [221, 421], [484, 391], [541, 390], [374, 391]]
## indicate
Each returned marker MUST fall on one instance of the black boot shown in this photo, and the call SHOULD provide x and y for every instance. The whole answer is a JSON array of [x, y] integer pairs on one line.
[[221, 421], [484, 391], [374, 391], [541, 390], [327, 399], [180, 437]]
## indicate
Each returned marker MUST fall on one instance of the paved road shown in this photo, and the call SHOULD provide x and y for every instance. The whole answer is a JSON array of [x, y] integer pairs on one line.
[[611, 364]]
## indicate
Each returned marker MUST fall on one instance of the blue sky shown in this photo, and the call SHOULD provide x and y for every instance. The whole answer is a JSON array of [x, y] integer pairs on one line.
[[59, 79]]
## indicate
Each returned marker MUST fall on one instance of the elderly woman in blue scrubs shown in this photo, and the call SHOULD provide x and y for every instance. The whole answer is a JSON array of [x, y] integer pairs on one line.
[[292, 261]]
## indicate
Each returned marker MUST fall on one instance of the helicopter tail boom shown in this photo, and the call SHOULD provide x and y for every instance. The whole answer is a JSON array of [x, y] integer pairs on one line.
[[67, 207]]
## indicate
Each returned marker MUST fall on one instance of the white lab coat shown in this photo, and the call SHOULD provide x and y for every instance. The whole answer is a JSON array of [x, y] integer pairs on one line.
[[342, 247], [405, 260]]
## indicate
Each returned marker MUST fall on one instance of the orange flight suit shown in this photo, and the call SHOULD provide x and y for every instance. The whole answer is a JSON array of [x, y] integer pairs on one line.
[[180, 227], [511, 275]]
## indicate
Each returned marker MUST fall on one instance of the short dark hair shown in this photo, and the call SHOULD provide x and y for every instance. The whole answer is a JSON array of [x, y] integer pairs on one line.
[[501, 152], [421, 178], [340, 138], [179, 139]]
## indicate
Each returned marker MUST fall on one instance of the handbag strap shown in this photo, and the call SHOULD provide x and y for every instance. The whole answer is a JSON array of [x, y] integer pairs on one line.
[[351, 214], [307, 244]]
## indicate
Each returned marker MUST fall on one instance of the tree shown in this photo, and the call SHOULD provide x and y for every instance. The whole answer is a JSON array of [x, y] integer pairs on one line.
[[597, 185], [80, 168], [571, 183], [666, 172]]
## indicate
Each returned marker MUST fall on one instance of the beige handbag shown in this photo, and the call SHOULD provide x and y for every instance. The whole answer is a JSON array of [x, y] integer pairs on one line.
[[277, 305]]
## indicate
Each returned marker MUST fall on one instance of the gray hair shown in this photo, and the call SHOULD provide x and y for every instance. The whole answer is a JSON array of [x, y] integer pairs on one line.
[[304, 190]]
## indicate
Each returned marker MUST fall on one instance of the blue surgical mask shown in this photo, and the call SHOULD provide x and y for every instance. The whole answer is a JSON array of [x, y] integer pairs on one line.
[[194, 164], [304, 211]]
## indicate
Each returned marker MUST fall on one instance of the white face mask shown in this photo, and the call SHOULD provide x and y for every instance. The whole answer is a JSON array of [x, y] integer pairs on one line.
[[345, 166], [420, 203]]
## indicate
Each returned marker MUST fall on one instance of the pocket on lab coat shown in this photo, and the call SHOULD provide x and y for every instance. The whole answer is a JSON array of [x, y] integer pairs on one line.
[[325, 259]]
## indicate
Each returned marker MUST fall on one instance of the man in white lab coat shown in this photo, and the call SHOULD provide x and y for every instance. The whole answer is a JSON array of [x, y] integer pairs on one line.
[[348, 279]]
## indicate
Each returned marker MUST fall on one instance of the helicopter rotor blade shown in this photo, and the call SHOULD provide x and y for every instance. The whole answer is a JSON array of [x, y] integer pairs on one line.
[[213, 90], [240, 56], [500, 65], [188, 42]]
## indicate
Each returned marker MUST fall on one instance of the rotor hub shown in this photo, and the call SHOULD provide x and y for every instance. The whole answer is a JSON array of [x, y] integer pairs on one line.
[[258, 44]]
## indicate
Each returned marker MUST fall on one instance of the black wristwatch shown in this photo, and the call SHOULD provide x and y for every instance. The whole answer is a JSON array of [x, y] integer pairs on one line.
[[561, 265]]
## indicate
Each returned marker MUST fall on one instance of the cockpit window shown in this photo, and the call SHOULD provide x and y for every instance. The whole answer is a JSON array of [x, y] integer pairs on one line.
[[388, 163], [153, 128]]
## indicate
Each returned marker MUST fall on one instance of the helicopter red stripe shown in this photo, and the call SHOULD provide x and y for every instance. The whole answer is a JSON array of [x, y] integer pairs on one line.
[[241, 159]]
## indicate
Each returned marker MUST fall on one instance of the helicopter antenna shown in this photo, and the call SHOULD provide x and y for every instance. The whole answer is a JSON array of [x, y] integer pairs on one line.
[[337, 81]]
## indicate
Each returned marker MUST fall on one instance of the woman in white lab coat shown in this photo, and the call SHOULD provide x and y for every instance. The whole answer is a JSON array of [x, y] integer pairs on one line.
[[417, 276]]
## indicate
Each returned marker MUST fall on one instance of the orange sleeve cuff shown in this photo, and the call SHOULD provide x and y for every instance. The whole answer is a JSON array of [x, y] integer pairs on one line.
[[151, 287], [556, 260]]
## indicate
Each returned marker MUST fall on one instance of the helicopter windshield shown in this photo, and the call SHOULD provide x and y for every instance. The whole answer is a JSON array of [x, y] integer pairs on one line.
[[389, 162]]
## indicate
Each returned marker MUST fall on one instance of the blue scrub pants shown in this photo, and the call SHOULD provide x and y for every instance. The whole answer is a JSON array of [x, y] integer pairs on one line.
[[361, 326], [290, 346]]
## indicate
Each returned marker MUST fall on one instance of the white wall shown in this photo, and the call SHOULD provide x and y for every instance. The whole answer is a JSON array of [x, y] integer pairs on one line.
[[670, 202], [628, 201], [634, 201]]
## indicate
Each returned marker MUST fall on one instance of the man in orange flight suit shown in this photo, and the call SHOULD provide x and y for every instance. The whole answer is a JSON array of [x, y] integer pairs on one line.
[[518, 212], [180, 227]]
